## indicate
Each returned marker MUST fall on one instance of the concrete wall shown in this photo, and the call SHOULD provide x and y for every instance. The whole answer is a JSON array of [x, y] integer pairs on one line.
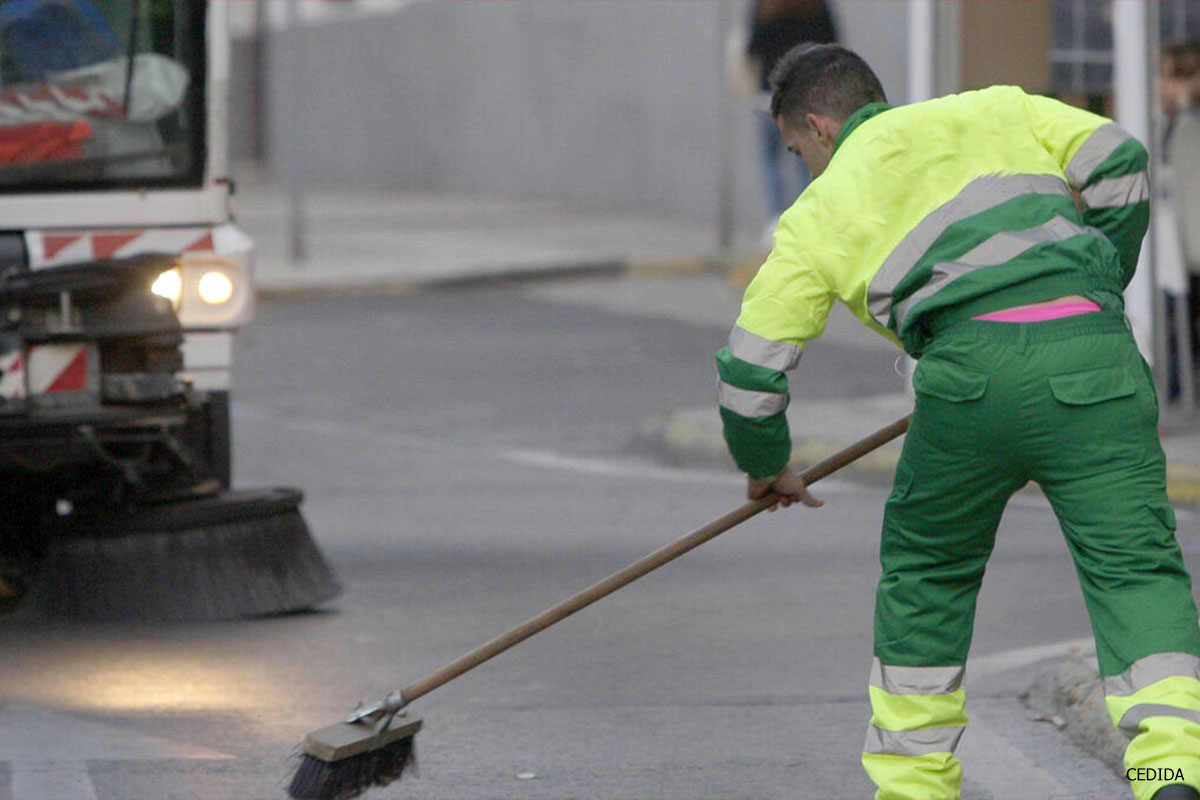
[[616, 105]]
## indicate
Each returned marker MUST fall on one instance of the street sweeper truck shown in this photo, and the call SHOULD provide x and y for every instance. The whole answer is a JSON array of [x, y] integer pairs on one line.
[[123, 281]]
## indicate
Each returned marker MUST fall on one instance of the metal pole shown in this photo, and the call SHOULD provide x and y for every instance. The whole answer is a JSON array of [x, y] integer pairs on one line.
[[922, 74], [725, 177], [1131, 90], [296, 213], [922, 26]]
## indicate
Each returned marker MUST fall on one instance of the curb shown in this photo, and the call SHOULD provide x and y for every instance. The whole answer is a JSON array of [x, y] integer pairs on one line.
[[268, 289], [1070, 696], [687, 438], [1183, 484]]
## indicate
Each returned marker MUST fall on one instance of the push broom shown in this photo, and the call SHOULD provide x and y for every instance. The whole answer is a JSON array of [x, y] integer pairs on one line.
[[372, 747]]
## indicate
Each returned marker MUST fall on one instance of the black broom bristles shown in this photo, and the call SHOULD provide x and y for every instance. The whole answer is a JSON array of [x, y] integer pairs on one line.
[[317, 779], [206, 570]]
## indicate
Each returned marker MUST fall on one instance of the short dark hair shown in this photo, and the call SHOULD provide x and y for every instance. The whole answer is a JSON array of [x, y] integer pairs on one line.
[[822, 79]]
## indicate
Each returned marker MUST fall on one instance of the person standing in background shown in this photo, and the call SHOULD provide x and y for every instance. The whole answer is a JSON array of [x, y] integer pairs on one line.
[[776, 26], [1178, 217]]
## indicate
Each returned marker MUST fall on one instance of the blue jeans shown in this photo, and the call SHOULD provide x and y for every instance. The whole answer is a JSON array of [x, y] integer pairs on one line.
[[773, 152]]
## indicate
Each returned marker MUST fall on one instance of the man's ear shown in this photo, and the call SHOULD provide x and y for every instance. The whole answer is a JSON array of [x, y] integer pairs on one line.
[[825, 128]]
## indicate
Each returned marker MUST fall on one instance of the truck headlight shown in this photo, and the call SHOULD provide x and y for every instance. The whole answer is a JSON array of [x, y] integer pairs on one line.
[[215, 293], [215, 288], [169, 285]]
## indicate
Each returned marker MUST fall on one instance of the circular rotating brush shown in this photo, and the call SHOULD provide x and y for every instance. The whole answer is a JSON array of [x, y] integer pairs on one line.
[[234, 554]]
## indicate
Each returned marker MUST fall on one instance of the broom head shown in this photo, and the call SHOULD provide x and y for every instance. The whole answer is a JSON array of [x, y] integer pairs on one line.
[[346, 759]]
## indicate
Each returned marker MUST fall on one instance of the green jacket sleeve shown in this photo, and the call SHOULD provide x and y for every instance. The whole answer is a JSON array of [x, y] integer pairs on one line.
[[786, 305], [1105, 165]]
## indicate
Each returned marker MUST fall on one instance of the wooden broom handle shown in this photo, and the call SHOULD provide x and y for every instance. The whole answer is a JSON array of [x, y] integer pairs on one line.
[[643, 566]]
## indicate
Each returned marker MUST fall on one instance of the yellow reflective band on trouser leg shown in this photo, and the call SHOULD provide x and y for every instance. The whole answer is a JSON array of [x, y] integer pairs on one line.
[[909, 752], [1157, 702], [934, 776]]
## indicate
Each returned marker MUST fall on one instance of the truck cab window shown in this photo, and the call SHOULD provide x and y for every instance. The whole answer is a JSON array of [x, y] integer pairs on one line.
[[101, 94]]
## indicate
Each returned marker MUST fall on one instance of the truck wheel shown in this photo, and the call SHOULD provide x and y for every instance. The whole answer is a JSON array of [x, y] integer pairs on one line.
[[235, 554]]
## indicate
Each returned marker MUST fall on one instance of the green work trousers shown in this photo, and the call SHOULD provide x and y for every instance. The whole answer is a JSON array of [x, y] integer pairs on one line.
[[1068, 404]]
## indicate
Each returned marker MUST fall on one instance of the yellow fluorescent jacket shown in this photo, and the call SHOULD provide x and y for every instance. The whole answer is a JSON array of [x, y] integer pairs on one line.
[[927, 214]]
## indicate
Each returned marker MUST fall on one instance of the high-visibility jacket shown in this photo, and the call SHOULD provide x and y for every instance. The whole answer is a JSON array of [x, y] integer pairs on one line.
[[927, 214]]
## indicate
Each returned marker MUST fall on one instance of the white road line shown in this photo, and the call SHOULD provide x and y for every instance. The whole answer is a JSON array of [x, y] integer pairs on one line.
[[1002, 770], [528, 457], [48, 752], [628, 468], [613, 468], [989, 759], [548, 459]]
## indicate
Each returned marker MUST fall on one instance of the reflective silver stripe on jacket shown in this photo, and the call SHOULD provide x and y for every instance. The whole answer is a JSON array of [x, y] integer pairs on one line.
[[1150, 670], [762, 352], [1117, 192], [920, 742], [750, 404], [975, 198], [1132, 719], [994, 251], [916, 680], [1103, 142]]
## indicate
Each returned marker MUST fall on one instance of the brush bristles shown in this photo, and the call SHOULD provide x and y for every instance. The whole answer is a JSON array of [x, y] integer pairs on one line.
[[214, 571], [316, 779]]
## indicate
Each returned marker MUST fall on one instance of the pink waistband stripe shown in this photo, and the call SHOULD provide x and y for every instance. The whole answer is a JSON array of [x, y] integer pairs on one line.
[[1070, 308]]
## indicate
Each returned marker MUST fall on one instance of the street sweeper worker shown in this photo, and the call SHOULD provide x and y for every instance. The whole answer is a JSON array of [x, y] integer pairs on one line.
[[990, 234]]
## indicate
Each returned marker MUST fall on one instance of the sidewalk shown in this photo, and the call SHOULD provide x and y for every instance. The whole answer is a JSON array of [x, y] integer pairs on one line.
[[373, 239]]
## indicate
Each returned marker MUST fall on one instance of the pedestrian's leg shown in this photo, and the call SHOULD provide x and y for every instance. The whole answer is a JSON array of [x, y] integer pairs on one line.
[[1106, 479], [771, 146], [803, 176], [938, 531]]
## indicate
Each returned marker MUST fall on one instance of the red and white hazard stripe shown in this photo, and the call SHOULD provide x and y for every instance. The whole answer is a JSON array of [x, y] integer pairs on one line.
[[55, 368], [12, 375], [49, 249]]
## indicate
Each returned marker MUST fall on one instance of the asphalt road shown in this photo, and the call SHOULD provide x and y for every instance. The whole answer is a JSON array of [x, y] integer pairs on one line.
[[466, 461]]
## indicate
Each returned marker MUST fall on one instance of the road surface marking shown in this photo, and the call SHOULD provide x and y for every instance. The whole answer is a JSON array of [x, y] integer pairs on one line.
[[624, 468], [1002, 770], [1016, 658], [549, 459], [48, 752]]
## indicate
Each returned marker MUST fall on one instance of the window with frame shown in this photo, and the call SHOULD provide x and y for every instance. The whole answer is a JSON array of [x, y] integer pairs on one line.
[[1081, 54]]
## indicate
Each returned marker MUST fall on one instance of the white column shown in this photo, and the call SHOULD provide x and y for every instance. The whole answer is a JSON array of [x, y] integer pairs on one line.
[[922, 77], [1132, 93], [922, 51]]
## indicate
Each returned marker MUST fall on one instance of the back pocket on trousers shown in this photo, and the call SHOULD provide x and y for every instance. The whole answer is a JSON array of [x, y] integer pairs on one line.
[[1101, 423], [1092, 386], [948, 381]]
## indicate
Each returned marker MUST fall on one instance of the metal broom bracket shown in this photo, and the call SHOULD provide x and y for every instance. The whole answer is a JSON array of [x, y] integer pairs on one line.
[[384, 710]]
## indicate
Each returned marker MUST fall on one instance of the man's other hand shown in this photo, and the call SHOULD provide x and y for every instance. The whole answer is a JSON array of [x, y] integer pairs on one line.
[[789, 486]]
